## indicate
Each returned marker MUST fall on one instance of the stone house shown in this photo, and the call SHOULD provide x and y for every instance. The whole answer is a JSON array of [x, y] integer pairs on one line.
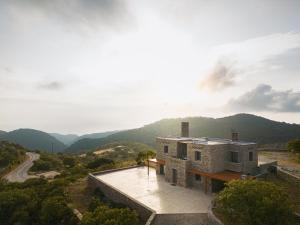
[[204, 163]]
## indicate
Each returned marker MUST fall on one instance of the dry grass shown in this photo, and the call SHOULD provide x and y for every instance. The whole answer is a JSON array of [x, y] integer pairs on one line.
[[291, 189], [80, 195]]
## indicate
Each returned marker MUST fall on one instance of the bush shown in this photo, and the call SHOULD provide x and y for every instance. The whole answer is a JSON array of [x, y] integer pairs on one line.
[[69, 161], [294, 146], [254, 202], [41, 165], [105, 215], [55, 211], [99, 162], [142, 156]]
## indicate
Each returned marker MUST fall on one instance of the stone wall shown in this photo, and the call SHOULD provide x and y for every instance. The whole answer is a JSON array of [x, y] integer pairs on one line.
[[119, 197], [288, 177], [181, 166], [172, 148]]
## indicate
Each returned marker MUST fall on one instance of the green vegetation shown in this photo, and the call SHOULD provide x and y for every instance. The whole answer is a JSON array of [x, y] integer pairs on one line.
[[51, 202], [99, 162], [294, 146], [143, 156], [10, 155], [103, 211], [35, 201], [47, 162], [105, 215], [291, 188], [251, 202], [250, 128]]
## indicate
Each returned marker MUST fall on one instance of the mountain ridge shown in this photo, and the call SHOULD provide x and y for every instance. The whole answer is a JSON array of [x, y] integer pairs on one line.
[[33, 139], [250, 128]]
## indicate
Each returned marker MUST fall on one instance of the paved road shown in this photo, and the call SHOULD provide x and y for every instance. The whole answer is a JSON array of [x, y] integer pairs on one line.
[[20, 173]]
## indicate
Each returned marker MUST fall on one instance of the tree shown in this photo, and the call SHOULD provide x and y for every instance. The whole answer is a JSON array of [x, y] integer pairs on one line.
[[18, 207], [69, 161], [55, 211], [294, 146], [142, 156], [99, 162], [251, 202], [105, 215]]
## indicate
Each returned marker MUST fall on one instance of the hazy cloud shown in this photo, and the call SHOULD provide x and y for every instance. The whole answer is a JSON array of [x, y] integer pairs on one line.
[[265, 98], [54, 85], [222, 76], [85, 13]]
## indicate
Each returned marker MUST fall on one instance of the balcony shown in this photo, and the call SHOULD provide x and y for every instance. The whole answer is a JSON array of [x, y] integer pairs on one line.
[[177, 162], [233, 166]]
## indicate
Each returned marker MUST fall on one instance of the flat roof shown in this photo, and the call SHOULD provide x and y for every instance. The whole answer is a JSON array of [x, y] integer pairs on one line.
[[206, 141], [154, 192]]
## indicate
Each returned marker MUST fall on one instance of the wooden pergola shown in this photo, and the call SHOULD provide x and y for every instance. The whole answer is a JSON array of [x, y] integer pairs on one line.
[[225, 176], [160, 162]]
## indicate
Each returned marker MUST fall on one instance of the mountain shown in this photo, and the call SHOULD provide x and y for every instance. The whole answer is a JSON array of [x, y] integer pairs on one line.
[[250, 128], [2, 133], [67, 139], [96, 135], [34, 140]]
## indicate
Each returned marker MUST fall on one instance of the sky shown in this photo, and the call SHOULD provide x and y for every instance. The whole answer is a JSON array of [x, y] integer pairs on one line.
[[82, 66]]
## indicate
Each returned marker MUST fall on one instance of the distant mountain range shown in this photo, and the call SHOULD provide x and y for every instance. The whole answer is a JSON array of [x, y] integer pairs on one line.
[[39, 140], [33, 139], [69, 139], [249, 127]]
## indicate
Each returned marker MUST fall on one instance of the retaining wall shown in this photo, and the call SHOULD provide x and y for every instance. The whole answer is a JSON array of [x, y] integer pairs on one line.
[[147, 215], [288, 176], [119, 197]]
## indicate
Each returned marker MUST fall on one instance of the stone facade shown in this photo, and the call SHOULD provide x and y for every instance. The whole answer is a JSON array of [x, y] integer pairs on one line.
[[207, 155]]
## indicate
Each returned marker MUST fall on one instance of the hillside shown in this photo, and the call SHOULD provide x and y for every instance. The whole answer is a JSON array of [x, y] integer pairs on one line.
[[2, 132], [34, 140], [67, 139], [10, 155], [249, 127], [96, 135]]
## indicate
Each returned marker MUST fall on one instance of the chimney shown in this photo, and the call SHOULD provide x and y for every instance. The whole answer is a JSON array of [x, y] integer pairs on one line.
[[234, 136], [184, 129]]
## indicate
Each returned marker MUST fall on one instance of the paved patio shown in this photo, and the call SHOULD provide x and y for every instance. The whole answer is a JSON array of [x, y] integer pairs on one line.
[[154, 192]]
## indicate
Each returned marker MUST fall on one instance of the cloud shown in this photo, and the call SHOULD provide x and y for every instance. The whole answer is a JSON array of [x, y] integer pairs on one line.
[[220, 77], [54, 86], [254, 53], [74, 13], [265, 98]]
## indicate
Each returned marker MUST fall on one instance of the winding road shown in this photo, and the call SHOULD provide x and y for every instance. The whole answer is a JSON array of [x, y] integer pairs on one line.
[[20, 174]]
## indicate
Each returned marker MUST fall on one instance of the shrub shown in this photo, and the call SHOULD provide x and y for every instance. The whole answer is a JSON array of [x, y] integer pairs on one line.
[[251, 202], [99, 162]]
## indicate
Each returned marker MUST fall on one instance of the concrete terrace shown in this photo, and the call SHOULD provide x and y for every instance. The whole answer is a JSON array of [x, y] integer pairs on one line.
[[155, 192]]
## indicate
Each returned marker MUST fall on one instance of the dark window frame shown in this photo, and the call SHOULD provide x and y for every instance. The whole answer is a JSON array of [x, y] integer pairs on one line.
[[198, 156], [234, 157], [166, 149], [197, 177], [251, 156]]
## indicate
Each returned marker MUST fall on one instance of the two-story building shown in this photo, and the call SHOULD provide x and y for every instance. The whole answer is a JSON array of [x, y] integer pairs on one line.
[[205, 163]]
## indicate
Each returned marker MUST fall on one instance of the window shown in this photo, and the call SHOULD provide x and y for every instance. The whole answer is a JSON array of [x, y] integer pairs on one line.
[[234, 157], [250, 156], [197, 156], [166, 149], [197, 177]]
